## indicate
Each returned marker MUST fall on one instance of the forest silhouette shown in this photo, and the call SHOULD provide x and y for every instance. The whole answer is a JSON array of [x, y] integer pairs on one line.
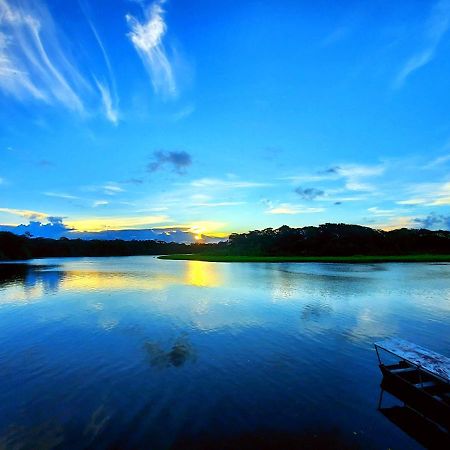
[[323, 240]]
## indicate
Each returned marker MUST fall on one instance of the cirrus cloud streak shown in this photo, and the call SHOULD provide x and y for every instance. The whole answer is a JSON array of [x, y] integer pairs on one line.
[[147, 38]]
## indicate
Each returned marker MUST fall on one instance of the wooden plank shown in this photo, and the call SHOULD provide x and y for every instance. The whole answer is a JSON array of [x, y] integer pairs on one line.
[[425, 384], [404, 370], [427, 360]]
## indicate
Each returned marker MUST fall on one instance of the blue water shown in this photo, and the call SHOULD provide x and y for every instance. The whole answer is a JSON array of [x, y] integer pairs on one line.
[[136, 352]]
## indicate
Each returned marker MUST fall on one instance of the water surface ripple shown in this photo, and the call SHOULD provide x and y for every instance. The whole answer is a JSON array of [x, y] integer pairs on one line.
[[136, 352]]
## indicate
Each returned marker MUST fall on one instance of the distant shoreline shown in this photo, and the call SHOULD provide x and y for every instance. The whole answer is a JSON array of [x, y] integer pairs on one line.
[[326, 259]]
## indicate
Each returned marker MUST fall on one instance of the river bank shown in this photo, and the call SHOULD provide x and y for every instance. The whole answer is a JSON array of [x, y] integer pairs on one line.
[[327, 259]]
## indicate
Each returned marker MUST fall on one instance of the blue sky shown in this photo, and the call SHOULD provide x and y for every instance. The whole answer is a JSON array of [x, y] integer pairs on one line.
[[219, 117]]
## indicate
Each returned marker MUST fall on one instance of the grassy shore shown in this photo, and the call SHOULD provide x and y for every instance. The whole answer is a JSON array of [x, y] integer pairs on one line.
[[330, 259]]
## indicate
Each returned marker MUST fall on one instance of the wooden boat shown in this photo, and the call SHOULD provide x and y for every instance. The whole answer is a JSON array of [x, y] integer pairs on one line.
[[419, 377]]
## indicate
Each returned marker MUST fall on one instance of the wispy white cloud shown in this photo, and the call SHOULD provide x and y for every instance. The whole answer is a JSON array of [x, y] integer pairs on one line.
[[441, 201], [147, 38], [436, 27], [226, 184], [32, 60], [61, 195], [109, 109], [288, 208], [428, 194], [108, 91], [378, 212], [441, 160], [109, 188], [336, 35], [412, 201], [25, 213], [359, 186], [183, 113], [100, 203], [112, 188], [14, 80], [354, 176], [35, 63], [441, 195], [310, 178], [216, 204]]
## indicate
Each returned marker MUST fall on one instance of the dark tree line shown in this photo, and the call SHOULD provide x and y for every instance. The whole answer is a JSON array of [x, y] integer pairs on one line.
[[336, 240], [325, 240], [14, 247]]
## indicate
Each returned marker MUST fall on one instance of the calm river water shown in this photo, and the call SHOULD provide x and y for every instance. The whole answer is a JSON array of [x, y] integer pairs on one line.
[[136, 352]]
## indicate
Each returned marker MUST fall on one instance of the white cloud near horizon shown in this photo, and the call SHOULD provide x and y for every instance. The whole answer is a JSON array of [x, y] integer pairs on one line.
[[147, 38], [25, 213], [436, 27], [393, 223], [428, 194]]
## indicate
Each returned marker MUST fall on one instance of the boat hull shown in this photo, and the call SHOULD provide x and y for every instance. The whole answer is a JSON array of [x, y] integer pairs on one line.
[[427, 401]]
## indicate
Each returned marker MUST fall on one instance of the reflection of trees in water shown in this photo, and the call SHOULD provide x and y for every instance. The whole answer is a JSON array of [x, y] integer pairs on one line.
[[50, 280], [180, 353], [12, 273], [30, 276], [355, 268], [314, 311]]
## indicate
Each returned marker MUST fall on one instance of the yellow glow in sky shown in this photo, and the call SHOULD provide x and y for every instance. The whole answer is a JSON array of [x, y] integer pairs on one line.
[[207, 227], [116, 223], [160, 222]]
